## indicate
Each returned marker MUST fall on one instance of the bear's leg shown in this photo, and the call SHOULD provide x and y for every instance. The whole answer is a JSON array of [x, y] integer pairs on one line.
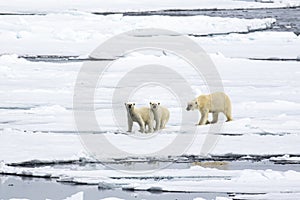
[[150, 126], [204, 117], [228, 116], [165, 121], [141, 124], [157, 125], [130, 124], [228, 112], [146, 126], [215, 117], [142, 127], [162, 124]]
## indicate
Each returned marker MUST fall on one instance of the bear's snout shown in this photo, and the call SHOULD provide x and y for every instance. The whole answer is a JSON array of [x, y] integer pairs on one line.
[[129, 106]]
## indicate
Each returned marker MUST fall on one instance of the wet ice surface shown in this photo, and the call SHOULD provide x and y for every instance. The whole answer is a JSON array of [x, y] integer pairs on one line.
[[27, 186], [14, 187]]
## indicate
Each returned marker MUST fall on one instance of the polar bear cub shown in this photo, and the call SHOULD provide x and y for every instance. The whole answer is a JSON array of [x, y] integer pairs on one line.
[[212, 103], [143, 116], [161, 115]]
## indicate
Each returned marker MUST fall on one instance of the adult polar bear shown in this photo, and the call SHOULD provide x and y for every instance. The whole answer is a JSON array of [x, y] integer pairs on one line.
[[143, 116], [161, 115], [212, 103]]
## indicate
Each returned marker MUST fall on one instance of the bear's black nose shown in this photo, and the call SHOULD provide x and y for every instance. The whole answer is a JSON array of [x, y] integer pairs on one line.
[[129, 106]]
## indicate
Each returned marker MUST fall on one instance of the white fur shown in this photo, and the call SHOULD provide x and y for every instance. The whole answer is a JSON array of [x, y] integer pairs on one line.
[[212, 103], [143, 116], [161, 115]]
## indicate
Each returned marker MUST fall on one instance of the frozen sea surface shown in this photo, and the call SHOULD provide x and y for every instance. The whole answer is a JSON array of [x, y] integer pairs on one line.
[[257, 155], [50, 6]]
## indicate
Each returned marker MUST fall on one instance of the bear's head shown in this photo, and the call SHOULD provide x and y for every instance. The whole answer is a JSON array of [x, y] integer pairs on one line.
[[192, 105], [154, 106], [129, 106]]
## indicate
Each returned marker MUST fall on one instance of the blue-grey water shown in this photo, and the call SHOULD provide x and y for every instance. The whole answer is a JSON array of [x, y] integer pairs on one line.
[[39, 189]]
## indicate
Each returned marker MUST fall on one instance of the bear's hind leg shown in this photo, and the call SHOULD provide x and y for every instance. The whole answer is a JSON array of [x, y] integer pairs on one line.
[[215, 117], [228, 116], [150, 127], [228, 112], [162, 124], [166, 120]]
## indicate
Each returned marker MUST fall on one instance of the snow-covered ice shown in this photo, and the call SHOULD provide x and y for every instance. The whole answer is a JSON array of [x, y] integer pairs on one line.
[[266, 123], [77, 196], [54, 147], [36, 98], [17, 146], [268, 109], [193, 179], [48, 35], [31, 6], [270, 45], [269, 103], [270, 196]]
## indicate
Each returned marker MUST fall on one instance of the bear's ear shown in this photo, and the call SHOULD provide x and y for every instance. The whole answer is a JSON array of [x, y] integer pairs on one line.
[[125, 104], [150, 103], [196, 102], [158, 103], [133, 104]]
